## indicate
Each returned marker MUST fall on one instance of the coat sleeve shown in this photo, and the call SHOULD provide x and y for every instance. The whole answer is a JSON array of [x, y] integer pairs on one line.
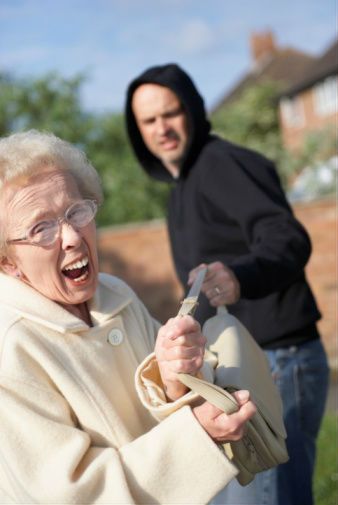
[[151, 392], [245, 190], [45, 457]]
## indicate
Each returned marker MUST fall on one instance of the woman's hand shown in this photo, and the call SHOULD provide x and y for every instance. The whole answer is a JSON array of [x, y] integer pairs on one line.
[[220, 284], [179, 348], [222, 427]]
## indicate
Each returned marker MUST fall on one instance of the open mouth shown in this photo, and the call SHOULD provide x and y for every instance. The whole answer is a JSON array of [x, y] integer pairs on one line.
[[77, 271], [169, 143]]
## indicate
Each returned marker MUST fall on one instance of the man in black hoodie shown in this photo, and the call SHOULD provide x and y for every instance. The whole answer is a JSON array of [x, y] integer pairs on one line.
[[227, 210]]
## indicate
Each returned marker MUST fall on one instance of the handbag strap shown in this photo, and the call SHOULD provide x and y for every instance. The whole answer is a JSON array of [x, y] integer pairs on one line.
[[210, 392]]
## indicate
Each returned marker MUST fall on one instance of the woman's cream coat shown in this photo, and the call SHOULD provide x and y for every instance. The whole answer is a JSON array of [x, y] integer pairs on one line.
[[73, 428]]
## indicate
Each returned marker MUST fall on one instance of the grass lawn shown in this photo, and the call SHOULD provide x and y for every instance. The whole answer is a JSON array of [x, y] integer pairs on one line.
[[326, 473]]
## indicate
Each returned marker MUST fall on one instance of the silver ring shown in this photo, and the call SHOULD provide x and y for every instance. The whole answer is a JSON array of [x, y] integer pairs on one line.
[[218, 291]]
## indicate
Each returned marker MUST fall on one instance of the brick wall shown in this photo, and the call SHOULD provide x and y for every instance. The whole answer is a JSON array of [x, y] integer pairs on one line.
[[140, 255], [320, 220]]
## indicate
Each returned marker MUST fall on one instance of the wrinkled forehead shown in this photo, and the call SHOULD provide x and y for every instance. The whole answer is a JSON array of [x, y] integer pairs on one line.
[[39, 193]]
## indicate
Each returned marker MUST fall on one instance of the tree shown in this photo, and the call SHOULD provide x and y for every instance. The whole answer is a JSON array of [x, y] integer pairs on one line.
[[52, 103], [252, 120], [8, 92]]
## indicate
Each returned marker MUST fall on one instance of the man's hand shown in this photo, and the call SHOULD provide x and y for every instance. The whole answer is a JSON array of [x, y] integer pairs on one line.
[[179, 348], [220, 284], [222, 427]]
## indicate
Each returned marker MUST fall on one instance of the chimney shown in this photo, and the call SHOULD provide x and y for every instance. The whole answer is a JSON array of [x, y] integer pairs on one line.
[[262, 46]]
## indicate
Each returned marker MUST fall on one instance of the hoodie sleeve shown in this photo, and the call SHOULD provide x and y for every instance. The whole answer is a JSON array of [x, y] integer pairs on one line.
[[45, 457], [244, 187]]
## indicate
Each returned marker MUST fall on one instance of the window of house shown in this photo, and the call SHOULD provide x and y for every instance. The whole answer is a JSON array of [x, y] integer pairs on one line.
[[325, 96], [292, 112]]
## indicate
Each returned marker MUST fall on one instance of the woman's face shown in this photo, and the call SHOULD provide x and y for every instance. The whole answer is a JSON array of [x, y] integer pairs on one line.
[[48, 268]]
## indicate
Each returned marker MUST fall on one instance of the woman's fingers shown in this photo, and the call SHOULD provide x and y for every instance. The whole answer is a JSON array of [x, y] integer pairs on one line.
[[179, 349], [224, 427]]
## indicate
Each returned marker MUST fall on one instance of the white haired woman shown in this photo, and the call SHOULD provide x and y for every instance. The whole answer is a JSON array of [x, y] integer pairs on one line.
[[72, 343]]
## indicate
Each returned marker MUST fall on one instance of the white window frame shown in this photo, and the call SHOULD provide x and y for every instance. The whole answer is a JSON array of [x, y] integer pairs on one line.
[[292, 110], [325, 96]]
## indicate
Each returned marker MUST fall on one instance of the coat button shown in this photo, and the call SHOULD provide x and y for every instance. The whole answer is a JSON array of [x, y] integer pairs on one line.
[[115, 337]]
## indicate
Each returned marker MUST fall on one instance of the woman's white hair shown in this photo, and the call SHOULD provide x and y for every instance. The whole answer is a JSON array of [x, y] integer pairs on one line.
[[25, 154]]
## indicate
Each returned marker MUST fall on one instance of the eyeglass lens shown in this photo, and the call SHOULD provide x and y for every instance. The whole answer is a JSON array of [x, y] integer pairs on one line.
[[77, 215]]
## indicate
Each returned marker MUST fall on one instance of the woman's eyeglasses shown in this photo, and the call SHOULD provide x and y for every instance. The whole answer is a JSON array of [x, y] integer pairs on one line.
[[45, 233]]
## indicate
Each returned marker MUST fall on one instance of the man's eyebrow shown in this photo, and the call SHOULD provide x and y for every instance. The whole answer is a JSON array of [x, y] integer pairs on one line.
[[147, 118], [176, 110]]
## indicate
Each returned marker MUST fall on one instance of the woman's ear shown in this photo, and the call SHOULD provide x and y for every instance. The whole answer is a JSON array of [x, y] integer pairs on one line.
[[9, 267]]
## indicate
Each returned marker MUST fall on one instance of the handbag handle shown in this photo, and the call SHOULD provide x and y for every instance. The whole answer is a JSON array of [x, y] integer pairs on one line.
[[216, 395]]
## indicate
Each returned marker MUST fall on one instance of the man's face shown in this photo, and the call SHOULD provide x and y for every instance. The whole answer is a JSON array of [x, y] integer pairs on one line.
[[162, 123]]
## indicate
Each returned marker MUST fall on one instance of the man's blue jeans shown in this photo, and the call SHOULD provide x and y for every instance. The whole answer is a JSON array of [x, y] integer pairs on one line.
[[301, 374]]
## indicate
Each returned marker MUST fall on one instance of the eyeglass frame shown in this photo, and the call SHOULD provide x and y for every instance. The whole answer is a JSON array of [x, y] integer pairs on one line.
[[92, 203]]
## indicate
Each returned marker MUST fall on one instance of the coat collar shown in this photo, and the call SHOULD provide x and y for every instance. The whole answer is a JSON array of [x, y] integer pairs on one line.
[[110, 298]]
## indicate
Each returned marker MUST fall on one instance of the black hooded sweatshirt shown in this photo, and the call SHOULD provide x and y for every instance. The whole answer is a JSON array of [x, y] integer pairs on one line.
[[228, 205]]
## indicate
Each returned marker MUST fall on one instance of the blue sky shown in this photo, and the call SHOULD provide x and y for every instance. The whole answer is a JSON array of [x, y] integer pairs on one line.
[[114, 40]]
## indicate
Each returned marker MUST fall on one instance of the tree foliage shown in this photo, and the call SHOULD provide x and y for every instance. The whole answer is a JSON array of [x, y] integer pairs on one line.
[[50, 103], [53, 104], [252, 120]]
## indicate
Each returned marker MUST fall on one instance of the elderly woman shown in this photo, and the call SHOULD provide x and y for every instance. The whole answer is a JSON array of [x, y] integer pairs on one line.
[[81, 421]]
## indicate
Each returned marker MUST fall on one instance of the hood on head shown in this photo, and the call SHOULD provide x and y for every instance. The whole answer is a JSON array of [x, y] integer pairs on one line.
[[174, 78]]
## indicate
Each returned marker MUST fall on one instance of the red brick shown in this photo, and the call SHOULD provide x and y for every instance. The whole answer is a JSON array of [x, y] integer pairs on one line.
[[140, 254]]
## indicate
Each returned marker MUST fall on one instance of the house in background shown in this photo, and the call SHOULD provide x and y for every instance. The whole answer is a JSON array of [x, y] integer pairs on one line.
[[269, 63], [308, 87], [309, 104]]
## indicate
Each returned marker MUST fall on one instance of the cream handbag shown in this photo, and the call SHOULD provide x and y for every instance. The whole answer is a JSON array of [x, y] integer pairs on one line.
[[243, 365]]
